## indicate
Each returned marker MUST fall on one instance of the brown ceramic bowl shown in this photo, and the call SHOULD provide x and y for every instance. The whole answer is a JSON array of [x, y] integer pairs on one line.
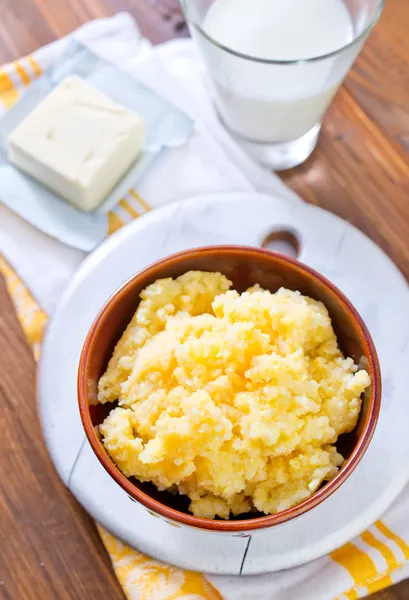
[[244, 267]]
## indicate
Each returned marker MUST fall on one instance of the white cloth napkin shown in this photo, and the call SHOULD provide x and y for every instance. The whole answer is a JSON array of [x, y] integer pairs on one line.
[[210, 162]]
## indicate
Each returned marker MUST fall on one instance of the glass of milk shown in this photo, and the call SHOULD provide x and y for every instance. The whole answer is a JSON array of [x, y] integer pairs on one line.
[[275, 66]]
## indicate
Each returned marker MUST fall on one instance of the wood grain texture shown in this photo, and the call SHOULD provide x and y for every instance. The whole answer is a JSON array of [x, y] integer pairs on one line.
[[49, 546], [159, 20], [397, 592], [360, 171]]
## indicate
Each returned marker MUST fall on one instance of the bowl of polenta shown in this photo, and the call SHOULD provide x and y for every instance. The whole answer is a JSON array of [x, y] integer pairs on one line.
[[229, 388]]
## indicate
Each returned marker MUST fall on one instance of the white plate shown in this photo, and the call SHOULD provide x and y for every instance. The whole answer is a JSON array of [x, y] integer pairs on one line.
[[333, 247], [167, 127]]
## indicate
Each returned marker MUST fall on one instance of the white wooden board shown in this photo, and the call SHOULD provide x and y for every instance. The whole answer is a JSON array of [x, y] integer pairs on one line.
[[333, 247]]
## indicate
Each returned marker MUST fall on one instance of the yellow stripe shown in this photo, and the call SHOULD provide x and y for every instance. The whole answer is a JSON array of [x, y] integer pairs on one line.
[[139, 199], [8, 93], [358, 564], [32, 318], [379, 584], [371, 587], [114, 222], [136, 571], [392, 536], [34, 65], [386, 552], [129, 208], [22, 74]]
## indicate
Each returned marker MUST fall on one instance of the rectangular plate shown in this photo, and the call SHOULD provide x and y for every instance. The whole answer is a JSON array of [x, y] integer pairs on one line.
[[167, 127]]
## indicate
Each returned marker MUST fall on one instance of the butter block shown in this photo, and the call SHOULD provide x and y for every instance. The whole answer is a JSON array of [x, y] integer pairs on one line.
[[77, 142]]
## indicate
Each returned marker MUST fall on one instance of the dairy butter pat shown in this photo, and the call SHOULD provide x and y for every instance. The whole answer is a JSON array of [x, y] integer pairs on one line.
[[77, 142]]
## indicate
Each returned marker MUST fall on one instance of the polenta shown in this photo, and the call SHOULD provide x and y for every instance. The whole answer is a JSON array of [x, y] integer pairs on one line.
[[236, 400]]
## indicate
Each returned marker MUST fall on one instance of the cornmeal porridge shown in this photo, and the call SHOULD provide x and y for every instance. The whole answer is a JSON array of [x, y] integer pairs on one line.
[[236, 400]]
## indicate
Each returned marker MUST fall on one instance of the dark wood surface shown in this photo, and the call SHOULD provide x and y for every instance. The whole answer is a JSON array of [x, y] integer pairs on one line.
[[49, 548]]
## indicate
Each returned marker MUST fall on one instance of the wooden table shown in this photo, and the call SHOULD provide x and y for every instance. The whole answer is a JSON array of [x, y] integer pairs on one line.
[[49, 548]]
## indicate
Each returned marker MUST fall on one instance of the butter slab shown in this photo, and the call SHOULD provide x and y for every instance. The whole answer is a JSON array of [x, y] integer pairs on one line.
[[77, 142]]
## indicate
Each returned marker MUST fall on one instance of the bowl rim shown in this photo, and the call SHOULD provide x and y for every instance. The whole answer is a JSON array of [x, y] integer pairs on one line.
[[245, 525]]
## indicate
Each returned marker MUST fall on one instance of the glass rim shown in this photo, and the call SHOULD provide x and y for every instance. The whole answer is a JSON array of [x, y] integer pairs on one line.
[[269, 61]]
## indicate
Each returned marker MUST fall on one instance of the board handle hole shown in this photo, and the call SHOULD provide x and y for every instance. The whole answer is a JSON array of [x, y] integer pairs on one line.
[[282, 241]]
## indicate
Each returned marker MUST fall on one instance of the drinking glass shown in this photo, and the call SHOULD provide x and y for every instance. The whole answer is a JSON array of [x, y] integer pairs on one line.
[[274, 108]]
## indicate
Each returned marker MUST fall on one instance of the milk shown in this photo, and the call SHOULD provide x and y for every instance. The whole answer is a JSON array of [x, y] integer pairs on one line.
[[272, 102]]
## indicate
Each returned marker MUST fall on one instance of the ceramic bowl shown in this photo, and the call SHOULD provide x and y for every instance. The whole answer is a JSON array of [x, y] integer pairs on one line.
[[244, 266]]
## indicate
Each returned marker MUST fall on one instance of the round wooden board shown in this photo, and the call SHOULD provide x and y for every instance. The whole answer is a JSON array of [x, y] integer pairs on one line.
[[330, 245]]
